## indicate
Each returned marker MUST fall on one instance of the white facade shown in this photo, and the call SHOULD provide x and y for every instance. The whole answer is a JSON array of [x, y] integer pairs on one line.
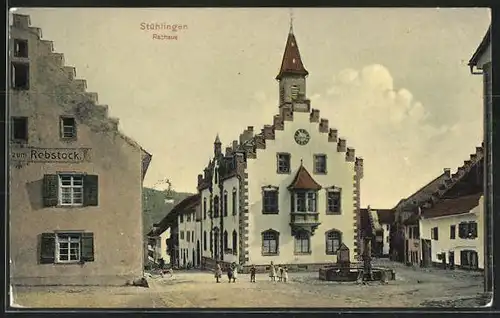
[[187, 238], [163, 246], [386, 236], [445, 244], [262, 172]]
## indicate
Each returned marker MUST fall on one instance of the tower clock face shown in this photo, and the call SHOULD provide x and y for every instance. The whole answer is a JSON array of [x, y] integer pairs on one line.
[[302, 137]]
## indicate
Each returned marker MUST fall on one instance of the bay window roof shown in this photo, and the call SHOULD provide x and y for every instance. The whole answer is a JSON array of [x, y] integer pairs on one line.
[[304, 181]]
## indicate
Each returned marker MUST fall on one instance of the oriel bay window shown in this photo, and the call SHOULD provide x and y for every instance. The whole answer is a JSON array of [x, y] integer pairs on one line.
[[270, 242], [304, 201]]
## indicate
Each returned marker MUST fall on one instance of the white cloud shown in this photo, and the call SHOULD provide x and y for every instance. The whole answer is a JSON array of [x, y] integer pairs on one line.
[[389, 128]]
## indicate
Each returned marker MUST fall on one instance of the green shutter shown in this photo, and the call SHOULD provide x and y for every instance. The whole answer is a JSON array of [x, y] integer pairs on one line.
[[47, 248], [87, 249], [90, 190], [50, 190]]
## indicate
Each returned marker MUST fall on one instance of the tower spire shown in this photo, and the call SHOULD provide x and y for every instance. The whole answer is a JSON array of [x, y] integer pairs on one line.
[[291, 21], [292, 62]]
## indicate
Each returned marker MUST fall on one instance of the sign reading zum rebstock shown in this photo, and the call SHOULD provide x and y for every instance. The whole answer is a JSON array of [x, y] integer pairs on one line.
[[63, 155]]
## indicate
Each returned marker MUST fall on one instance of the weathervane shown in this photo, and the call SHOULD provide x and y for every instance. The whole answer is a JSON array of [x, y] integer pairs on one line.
[[291, 20]]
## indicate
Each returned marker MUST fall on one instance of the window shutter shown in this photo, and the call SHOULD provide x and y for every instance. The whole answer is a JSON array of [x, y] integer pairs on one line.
[[90, 190], [474, 229], [47, 248], [50, 190], [87, 249]]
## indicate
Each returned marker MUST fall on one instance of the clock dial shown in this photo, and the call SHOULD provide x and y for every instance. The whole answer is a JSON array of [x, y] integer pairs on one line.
[[302, 137]]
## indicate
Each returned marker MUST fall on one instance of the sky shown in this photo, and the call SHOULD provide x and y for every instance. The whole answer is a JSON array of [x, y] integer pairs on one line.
[[394, 82]]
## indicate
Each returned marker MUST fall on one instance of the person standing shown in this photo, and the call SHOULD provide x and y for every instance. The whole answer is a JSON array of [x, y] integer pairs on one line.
[[252, 274], [235, 272], [285, 274], [230, 272], [272, 272], [280, 273], [218, 273]]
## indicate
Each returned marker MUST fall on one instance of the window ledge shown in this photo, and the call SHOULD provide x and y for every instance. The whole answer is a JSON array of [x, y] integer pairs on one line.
[[274, 212], [270, 254], [68, 139], [321, 173], [302, 253], [283, 172], [333, 213]]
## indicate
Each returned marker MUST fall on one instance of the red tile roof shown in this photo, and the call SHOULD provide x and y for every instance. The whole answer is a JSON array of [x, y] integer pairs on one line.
[[292, 63], [304, 181], [454, 206]]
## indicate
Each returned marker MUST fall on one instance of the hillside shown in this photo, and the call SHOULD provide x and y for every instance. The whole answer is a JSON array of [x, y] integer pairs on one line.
[[155, 208]]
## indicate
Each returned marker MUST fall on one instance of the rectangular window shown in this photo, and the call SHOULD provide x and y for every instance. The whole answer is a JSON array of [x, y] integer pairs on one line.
[[205, 208], [72, 247], [68, 128], [20, 76], [204, 240], [181, 218], [188, 234], [270, 243], [68, 248], [270, 202], [71, 189], [19, 131], [452, 232], [283, 163], [333, 202], [434, 233], [333, 241], [225, 203], [300, 201], [20, 48], [311, 202], [320, 164], [189, 217], [302, 245], [182, 235], [467, 230]]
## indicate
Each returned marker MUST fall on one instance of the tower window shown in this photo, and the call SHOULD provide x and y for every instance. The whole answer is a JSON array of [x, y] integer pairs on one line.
[[20, 48], [294, 92], [68, 128], [20, 76]]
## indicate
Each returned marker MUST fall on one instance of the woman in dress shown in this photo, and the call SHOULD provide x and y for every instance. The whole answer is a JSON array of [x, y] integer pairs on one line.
[[272, 272], [235, 272]]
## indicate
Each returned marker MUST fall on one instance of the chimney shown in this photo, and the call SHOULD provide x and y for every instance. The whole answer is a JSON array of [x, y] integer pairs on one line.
[[235, 145], [447, 172]]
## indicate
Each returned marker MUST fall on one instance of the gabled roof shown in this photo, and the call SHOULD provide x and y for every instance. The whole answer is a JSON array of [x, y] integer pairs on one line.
[[426, 191], [303, 181], [182, 206], [292, 62], [481, 48], [456, 206]]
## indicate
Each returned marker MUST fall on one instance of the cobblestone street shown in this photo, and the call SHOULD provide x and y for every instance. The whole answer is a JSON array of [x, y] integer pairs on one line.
[[412, 287]]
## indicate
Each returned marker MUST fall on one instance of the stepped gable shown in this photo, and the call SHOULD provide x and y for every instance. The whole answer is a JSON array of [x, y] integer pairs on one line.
[[304, 181], [461, 173], [249, 142], [87, 109]]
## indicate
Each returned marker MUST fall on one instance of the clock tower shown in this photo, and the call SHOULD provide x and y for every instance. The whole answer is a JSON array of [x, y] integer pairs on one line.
[[292, 76]]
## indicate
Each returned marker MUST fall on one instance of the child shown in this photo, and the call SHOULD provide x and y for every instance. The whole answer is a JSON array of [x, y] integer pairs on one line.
[[218, 273], [235, 272], [252, 274], [280, 271], [285, 274]]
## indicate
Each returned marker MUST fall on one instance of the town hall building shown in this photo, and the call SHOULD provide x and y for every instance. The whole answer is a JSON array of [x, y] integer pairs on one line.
[[288, 193]]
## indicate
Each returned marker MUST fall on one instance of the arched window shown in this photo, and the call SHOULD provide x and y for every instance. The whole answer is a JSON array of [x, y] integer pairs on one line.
[[235, 242], [234, 201], [225, 241], [204, 240], [270, 242], [204, 208], [302, 243], [333, 240], [225, 203], [216, 243], [216, 206]]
